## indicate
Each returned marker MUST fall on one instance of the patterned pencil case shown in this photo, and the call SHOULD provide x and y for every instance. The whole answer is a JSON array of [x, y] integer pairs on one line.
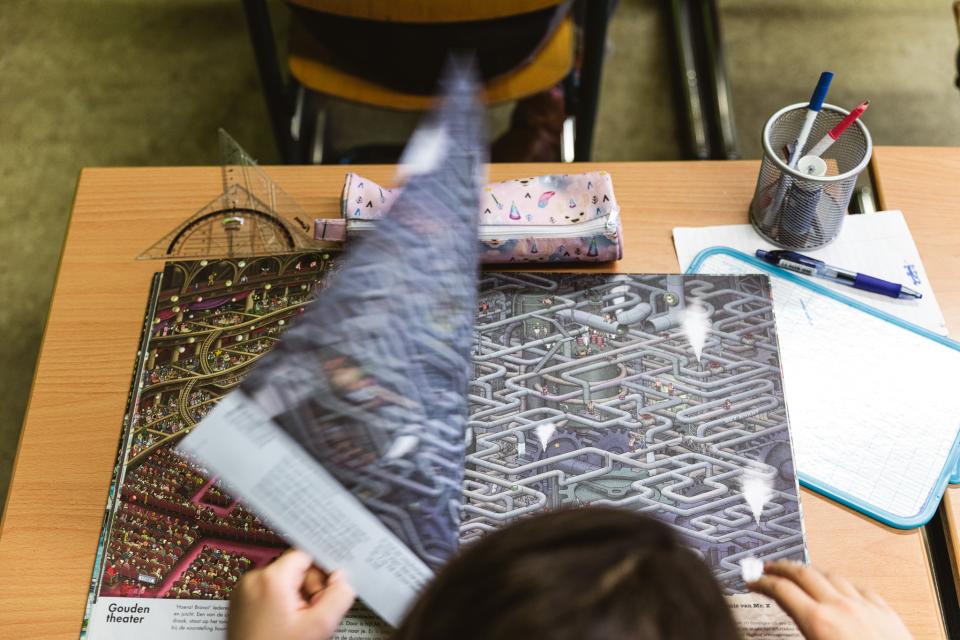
[[552, 218]]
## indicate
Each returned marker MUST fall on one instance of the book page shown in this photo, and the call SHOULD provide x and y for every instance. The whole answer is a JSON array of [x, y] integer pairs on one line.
[[650, 392], [300, 498], [760, 618]]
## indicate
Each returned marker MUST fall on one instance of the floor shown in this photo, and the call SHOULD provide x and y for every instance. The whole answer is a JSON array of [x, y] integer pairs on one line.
[[135, 82]]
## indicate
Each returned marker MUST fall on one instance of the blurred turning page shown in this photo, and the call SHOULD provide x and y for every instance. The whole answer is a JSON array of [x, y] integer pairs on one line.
[[349, 437]]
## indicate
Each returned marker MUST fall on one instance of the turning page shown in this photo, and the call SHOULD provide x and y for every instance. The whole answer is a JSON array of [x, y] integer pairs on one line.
[[349, 436]]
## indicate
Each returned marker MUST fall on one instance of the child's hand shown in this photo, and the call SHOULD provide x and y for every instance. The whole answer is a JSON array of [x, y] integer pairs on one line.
[[288, 600], [828, 606]]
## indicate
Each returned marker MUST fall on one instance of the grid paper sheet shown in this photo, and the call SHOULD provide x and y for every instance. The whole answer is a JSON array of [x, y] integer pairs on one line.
[[874, 408]]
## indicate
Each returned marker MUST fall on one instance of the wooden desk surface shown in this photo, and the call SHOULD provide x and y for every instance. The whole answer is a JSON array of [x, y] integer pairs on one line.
[[925, 183], [69, 442]]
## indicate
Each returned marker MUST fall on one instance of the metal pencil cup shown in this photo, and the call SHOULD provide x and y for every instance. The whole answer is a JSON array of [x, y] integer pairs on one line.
[[798, 211]]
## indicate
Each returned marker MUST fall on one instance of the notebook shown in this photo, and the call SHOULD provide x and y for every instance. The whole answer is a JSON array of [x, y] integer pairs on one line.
[[873, 399]]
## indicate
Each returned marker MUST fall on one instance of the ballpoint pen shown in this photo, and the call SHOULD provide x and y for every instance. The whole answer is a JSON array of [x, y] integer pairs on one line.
[[838, 130], [808, 266]]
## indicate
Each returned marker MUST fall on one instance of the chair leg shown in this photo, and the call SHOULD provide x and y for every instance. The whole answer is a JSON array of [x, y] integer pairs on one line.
[[688, 79], [595, 21], [568, 135], [937, 537], [271, 79], [312, 140], [716, 83]]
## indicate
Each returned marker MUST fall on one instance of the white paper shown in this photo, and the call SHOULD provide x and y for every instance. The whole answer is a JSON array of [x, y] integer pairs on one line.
[[760, 618], [877, 244], [874, 408], [257, 459], [163, 619], [362, 624], [157, 619]]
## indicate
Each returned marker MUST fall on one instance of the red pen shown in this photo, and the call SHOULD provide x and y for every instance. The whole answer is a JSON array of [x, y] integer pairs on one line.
[[838, 130]]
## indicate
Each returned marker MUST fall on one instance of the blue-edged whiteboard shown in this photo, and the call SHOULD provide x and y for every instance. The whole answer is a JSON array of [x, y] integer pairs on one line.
[[873, 401]]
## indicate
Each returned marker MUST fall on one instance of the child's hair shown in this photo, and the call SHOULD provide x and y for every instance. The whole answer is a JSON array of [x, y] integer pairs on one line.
[[578, 574]]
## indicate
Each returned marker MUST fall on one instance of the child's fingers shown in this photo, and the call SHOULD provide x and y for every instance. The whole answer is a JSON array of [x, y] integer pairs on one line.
[[289, 569], [313, 582], [328, 607], [791, 598], [872, 596], [337, 598], [843, 586], [806, 577]]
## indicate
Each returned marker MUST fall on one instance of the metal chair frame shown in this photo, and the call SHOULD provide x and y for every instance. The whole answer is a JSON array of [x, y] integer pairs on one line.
[[299, 125]]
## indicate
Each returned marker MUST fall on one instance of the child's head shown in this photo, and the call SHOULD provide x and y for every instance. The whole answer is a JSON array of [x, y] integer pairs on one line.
[[578, 574]]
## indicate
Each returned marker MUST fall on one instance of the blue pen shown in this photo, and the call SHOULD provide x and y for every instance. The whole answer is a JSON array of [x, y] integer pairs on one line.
[[813, 108], [812, 267]]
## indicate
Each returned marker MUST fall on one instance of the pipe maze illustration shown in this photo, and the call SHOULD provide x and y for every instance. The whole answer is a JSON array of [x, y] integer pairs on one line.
[[656, 393]]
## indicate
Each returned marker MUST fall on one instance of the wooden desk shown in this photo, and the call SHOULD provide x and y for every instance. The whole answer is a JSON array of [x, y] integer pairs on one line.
[[69, 442], [925, 183]]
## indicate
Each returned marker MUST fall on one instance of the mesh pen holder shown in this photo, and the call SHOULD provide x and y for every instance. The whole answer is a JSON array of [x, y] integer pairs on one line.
[[798, 211]]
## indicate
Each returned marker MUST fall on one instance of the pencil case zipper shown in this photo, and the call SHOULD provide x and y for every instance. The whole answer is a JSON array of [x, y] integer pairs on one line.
[[607, 225]]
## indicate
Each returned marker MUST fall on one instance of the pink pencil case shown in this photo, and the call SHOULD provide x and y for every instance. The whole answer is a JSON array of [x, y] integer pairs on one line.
[[552, 218]]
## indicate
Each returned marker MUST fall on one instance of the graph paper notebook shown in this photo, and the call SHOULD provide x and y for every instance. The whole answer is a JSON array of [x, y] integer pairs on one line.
[[873, 400]]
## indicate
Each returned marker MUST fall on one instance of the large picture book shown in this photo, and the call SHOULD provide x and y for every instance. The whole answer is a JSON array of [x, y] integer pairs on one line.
[[659, 393]]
